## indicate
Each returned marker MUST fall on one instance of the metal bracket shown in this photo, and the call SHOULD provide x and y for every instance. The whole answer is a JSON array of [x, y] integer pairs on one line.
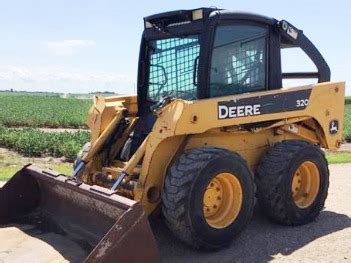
[[74, 181], [79, 169], [51, 173], [119, 180], [102, 190]]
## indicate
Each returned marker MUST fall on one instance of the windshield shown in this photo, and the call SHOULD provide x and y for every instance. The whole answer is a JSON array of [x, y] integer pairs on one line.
[[173, 67]]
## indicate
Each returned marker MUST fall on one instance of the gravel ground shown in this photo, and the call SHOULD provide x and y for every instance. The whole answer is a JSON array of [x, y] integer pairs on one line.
[[345, 147], [328, 239]]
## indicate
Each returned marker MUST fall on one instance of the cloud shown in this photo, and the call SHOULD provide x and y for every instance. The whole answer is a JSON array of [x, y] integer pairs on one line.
[[67, 47], [64, 80]]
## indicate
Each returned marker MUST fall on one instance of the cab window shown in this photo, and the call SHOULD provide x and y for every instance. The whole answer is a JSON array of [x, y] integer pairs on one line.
[[238, 62], [173, 67]]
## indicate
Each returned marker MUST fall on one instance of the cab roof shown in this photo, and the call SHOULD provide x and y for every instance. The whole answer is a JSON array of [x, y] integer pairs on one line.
[[180, 16]]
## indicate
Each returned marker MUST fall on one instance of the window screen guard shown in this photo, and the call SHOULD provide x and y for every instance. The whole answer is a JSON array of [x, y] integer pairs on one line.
[[172, 67]]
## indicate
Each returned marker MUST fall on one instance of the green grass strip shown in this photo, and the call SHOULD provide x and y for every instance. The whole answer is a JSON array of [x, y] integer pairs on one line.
[[341, 157]]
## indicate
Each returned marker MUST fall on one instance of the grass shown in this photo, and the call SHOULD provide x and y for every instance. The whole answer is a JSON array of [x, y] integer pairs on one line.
[[50, 111], [347, 122], [341, 157], [7, 172], [64, 168], [11, 162], [33, 142]]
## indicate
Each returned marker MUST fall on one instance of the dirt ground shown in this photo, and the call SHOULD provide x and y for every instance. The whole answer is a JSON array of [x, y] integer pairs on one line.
[[328, 239], [25, 244], [11, 158], [345, 147]]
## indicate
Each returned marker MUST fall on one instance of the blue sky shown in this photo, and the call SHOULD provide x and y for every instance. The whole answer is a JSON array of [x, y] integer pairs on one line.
[[84, 46]]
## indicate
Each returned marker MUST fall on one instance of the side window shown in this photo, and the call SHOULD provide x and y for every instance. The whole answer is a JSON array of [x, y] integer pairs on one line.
[[295, 60], [238, 60]]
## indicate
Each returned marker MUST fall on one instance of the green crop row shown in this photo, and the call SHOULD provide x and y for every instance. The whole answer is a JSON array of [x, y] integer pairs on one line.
[[18, 110], [34, 142], [347, 122]]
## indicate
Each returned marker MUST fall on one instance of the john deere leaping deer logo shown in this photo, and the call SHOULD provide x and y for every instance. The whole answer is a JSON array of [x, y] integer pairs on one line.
[[334, 127]]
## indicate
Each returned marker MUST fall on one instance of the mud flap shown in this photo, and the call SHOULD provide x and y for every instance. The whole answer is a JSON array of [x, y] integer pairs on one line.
[[110, 227]]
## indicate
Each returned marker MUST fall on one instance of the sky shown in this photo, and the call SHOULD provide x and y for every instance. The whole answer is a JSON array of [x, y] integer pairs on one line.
[[84, 46]]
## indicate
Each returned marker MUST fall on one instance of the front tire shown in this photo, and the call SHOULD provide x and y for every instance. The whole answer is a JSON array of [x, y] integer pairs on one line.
[[292, 182], [208, 197]]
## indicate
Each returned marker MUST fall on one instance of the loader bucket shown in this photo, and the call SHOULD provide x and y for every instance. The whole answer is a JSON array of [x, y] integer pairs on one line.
[[111, 228]]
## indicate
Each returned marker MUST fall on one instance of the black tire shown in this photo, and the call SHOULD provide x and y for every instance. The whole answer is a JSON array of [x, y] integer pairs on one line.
[[274, 179], [185, 185], [85, 149]]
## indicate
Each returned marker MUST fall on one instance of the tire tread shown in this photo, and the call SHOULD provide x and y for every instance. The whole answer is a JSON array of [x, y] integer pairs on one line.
[[178, 183], [271, 170]]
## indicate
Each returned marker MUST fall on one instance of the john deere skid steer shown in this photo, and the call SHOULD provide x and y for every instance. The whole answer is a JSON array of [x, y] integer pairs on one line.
[[211, 123]]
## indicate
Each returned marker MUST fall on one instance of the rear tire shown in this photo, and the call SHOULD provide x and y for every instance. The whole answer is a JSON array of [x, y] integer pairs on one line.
[[208, 197], [292, 182]]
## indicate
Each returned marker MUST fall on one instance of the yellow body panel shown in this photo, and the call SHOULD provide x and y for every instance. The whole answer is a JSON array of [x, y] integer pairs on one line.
[[326, 103], [183, 125], [104, 110]]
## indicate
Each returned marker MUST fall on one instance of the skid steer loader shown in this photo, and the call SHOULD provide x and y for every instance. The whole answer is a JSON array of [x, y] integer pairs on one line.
[[210, 124]]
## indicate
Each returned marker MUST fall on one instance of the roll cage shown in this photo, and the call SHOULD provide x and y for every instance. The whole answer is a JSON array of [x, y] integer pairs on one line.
[[204, 21]]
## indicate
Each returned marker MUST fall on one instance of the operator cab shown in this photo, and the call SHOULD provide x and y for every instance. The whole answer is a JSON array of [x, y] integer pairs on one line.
[[207, 52], [203, 53]]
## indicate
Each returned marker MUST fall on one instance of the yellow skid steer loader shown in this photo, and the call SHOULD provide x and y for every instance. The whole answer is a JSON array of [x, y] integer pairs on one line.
[[210, 124]]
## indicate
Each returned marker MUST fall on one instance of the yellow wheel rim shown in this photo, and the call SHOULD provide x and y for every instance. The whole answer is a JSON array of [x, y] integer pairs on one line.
[[305, 184], [222, 200]]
